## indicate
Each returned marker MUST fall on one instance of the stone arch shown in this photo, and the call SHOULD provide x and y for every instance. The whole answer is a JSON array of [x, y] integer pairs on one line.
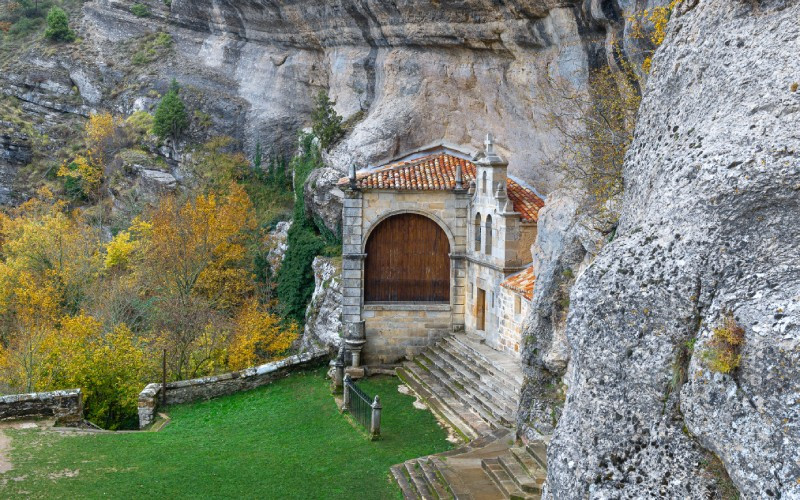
[[450, 238], [407, 260]]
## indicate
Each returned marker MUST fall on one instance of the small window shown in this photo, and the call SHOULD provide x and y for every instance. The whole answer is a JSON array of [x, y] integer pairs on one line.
[[477, 230], [517, 304], [492, 300], [488, 235], [485, 191]]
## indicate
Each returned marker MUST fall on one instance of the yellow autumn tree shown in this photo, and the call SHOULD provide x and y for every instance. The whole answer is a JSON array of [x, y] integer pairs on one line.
[[197, 248], [194, 262], [259, 337], [55, 247], [110, 367], [31, 312]]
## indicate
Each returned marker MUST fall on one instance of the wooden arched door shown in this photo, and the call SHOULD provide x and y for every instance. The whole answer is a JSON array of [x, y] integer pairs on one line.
[[408, 260]]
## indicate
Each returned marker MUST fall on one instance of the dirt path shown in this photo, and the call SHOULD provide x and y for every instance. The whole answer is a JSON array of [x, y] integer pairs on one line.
[[5, 453]]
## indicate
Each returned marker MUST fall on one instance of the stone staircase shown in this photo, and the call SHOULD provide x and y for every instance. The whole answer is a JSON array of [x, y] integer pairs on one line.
[[475, 389]]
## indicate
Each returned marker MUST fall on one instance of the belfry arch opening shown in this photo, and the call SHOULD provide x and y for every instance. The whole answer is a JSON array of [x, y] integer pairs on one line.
[[408, 260]]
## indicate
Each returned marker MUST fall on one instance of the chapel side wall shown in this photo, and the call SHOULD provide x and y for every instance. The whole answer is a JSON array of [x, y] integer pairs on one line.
[[489, 280], [511, 324]]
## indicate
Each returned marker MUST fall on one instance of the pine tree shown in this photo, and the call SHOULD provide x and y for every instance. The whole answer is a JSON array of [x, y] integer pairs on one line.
[[257, 157], [58, 26], [327, 124], [170, 118]]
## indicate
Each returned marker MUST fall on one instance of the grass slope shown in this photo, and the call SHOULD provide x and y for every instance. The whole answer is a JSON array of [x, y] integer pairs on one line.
[[286, 440]]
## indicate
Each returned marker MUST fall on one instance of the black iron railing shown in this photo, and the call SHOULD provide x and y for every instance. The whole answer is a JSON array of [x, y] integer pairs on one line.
[[365, 410]]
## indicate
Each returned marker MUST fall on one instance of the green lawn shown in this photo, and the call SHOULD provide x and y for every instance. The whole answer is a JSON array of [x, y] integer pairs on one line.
[[285, 440]]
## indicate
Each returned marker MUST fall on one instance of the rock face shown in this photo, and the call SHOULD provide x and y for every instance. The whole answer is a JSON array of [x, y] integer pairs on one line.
[[566, 243], [324, 314], [709, 226], [408, 72]]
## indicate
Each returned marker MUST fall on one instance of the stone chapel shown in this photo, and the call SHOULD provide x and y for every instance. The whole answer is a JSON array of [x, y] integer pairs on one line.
[[435, 242]]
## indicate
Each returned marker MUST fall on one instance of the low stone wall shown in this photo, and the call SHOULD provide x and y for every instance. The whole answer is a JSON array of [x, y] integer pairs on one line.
[[199, 389], [65, 406]]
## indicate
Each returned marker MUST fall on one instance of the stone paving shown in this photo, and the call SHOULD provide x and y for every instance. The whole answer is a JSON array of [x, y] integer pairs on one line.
[[474, 390]]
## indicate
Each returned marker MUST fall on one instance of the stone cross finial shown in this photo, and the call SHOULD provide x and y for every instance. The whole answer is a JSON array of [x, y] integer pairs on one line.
[[489, 143]]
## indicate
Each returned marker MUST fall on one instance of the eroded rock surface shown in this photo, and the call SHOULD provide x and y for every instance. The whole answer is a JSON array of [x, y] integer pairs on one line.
[[710, 224], [324, 314]]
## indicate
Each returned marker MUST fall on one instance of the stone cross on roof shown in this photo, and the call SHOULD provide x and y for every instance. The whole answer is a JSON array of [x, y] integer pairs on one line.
[[490, 157]]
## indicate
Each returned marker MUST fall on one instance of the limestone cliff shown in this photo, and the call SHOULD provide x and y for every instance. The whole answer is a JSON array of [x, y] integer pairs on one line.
[[404, 72], [709, 227]]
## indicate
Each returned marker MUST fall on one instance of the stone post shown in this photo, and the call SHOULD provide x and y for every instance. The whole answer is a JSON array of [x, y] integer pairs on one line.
[[346, 395], [338, 372], [375, 424]]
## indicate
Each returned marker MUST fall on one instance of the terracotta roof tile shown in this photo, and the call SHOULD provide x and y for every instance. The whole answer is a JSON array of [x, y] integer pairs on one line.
[[521, 282], [437, 172]]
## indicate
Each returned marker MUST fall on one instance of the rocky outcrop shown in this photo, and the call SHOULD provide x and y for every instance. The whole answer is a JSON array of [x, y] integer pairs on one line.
[[323, 326], [566, 243], [709, 226], [277, 245]]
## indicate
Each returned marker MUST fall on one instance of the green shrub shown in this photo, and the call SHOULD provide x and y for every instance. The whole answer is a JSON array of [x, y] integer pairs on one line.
[[170, 118], [296, 276], [58, 26], [152, 47], [140, 10]]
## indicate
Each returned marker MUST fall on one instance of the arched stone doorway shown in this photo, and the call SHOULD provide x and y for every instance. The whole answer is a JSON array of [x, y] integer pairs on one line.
[[408, 260]]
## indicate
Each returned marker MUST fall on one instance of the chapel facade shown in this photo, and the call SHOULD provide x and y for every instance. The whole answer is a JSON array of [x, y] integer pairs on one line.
[[434, 243]]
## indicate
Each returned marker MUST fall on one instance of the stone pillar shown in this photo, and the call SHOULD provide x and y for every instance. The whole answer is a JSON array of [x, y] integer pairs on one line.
[[353, 273], [375, 424]]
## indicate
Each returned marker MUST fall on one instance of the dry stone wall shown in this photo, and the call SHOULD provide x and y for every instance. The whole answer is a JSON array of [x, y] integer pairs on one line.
[[65, 406]]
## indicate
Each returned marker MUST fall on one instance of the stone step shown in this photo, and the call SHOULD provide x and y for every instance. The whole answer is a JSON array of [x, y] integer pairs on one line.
[[503, 386], [401, 478], [538, 450], [438, 400], [532, 467], [467, 393], [519, 475], [482, 385], [463, 394], [504, 481], [457, 489], [420, 485], [435, 481], [499, 363], [497, 379], [453, 396]]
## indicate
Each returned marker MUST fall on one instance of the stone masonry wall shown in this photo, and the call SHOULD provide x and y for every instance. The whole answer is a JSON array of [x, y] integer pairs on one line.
[[510, 323], [199, 389], [395, 331], [65, 406]]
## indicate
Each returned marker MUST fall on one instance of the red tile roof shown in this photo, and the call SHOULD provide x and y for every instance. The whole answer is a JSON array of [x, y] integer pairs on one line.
[[437, 172], [521, 282]]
